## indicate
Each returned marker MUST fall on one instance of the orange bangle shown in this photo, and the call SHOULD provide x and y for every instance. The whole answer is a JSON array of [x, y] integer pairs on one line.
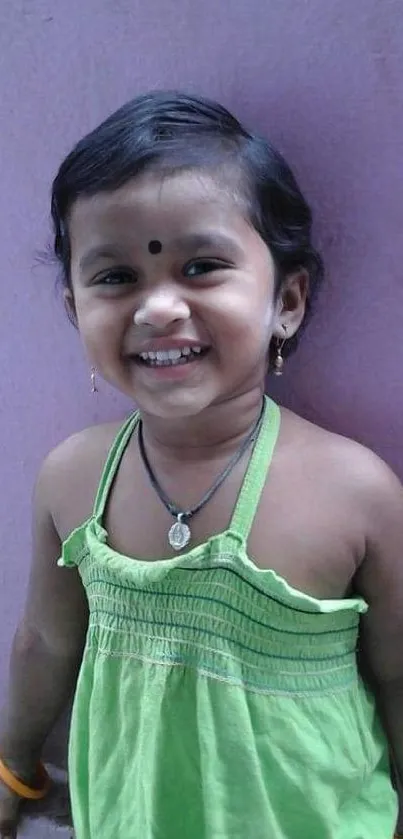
[[23, 790]]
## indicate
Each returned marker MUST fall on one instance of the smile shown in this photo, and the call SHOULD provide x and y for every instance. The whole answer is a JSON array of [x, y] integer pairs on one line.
[[171, 358]]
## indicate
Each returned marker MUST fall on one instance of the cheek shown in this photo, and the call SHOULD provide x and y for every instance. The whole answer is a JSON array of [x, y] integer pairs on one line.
[[247, 317], [267, 318], [94, 313], [243, 337], [98, 328], [263, 305]]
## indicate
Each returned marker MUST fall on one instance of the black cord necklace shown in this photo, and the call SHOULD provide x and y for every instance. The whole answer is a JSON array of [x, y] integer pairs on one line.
[[179, 534]]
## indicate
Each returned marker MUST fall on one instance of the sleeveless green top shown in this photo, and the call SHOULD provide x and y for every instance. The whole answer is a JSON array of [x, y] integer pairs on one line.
[[214, 701]]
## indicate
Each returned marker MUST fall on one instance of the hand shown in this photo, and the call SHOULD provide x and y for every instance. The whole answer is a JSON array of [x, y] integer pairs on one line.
[[9, 812]]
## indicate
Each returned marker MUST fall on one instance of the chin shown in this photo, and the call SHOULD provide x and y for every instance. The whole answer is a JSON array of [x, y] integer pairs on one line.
[[175, 406]]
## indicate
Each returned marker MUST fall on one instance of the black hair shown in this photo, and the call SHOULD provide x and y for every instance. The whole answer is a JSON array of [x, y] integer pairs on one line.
[[170, 131]]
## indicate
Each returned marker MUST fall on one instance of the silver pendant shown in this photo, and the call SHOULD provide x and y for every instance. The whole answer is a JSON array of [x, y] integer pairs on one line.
[[179, 535]]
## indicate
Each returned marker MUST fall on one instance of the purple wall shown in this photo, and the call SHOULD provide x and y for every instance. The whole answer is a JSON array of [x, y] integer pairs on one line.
[[324, 80]]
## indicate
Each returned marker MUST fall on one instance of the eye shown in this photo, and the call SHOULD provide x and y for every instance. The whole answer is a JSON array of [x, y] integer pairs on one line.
[[116, 277], [203, 266]]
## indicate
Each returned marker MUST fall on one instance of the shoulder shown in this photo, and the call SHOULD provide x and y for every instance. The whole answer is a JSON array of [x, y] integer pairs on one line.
[[68, 479], [90, 444], [338, 464]]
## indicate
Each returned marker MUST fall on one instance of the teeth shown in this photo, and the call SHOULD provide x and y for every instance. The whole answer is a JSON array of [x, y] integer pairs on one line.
[[161, 358], [167, 356]]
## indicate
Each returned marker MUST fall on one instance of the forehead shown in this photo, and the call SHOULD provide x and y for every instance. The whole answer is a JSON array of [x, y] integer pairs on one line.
[[156, 207]]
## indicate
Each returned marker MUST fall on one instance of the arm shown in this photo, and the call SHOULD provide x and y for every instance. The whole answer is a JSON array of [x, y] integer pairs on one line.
[[48, 644], [380, 582]]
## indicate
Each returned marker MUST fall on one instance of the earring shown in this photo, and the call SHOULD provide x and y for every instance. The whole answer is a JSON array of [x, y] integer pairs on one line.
[[94, 388], [279, 360]]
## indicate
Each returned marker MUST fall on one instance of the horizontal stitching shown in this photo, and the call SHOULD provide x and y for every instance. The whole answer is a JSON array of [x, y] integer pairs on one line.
[[211, 617], [231, 590], [223, 654], [230, 570], [244, 685], [226, 588], [242, 597], [216, 635], [237, 574]]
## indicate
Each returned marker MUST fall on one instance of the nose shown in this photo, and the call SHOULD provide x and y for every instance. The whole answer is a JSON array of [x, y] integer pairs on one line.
[[161, 308]]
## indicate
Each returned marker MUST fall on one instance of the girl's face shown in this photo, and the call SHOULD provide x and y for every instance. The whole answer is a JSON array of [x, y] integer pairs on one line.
[[173, 292]]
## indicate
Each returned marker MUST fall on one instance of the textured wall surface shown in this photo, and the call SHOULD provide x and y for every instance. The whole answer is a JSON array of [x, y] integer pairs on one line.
[[324, 81]]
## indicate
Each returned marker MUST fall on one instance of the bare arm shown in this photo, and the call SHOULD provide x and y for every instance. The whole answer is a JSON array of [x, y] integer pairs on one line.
[[380, 581], [48, 644]]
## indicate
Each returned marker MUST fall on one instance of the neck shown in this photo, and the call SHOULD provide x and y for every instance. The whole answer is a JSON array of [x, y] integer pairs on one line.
[[216, 431]]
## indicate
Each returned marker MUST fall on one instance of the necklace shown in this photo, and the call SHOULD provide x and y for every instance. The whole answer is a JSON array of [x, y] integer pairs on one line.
[[179, 535]]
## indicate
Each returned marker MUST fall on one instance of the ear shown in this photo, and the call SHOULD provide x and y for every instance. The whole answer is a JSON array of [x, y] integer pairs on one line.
[[70, 306], [291, 303]]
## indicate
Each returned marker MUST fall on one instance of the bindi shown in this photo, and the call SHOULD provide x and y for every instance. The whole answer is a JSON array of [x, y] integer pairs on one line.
[[154, 246]]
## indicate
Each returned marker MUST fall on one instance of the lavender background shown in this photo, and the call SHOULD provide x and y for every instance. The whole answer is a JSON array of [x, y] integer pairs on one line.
[[323, 80]]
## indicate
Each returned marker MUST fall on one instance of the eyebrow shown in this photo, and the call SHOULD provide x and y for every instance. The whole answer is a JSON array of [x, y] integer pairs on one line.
[[197, 241], [97, 253], [191, 241]]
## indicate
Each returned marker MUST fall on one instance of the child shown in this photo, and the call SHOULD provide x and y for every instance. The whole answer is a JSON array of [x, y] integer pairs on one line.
[[218, 555]]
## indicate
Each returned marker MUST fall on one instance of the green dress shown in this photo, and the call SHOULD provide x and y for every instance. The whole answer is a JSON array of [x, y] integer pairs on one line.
[[214, 700]]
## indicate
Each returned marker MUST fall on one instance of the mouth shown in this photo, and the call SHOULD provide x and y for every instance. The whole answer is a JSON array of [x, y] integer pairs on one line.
[[171, 358]]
